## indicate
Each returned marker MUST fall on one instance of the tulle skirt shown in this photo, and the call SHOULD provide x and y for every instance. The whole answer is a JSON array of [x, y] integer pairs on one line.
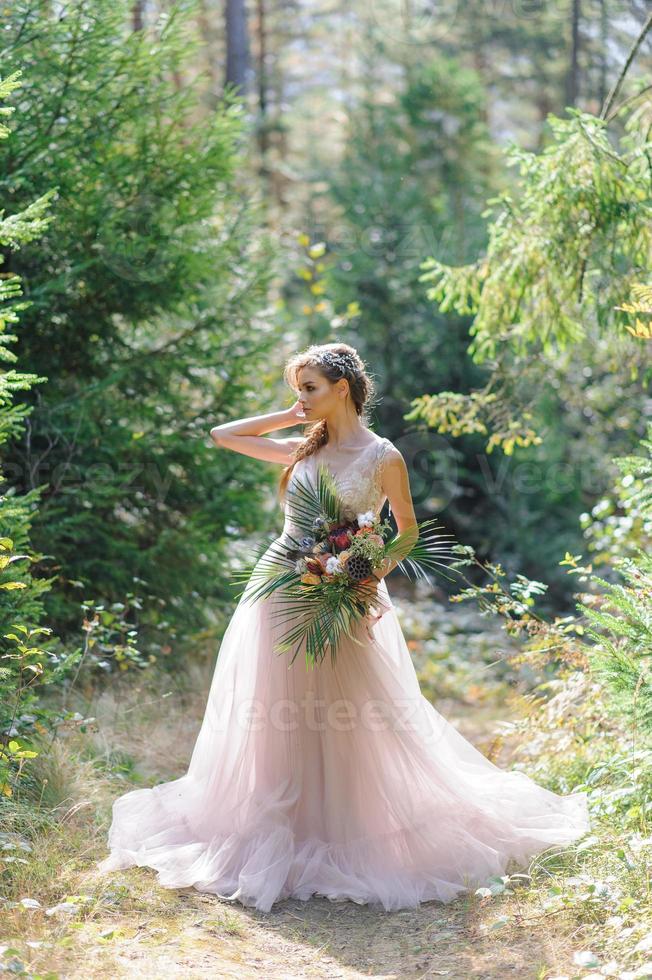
[[341, 781]]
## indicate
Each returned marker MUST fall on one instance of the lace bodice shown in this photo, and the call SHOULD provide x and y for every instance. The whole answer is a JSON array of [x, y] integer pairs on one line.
[[357, 474]]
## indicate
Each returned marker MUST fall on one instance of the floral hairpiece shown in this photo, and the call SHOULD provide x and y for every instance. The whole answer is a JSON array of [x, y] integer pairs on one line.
[[343, 361]]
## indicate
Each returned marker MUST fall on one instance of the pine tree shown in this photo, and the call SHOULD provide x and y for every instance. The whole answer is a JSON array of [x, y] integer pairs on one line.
[[20, 592], [23, 664], [145, 296], [622, 623]]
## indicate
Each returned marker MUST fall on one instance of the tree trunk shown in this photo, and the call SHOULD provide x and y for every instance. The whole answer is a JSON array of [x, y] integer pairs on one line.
[[237, 45], [572, 87], [137, 15]]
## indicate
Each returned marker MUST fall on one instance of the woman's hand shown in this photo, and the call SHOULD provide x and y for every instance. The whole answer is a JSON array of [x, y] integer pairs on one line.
[[296, 412], [377, 607]]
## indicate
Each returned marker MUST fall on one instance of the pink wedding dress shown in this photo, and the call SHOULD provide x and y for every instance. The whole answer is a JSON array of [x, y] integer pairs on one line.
[[340, 781]]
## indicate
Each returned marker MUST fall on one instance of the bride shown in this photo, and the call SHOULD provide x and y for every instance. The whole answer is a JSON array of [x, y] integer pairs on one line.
[[339, 780]]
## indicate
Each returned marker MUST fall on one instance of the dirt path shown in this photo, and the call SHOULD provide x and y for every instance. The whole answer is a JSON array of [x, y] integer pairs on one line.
[[201, 936]]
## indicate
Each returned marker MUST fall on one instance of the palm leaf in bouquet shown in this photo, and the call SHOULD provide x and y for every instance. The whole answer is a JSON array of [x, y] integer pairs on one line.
[[421, 547], [309, 502], [323, 579], [268, 570], [273, 566], [321, 622]]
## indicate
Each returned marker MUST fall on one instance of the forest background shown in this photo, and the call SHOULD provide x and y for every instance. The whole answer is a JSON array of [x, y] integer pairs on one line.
[[191, 192]]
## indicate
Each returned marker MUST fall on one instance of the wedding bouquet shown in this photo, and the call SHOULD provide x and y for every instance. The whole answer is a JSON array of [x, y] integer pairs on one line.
[[325, 579]]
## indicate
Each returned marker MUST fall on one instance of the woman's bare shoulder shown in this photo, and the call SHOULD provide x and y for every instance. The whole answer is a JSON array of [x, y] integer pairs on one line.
[[389, 453]]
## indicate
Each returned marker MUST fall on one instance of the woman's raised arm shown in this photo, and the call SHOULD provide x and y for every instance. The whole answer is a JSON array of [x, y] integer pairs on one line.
[[247, 435]]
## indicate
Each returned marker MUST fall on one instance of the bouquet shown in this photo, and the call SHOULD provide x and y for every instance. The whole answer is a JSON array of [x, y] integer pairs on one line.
[[325, 579]]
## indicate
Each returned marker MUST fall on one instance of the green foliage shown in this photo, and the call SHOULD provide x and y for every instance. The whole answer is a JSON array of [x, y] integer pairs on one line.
[[543, 639], [414, 177], [21, 592], [24, 670], [622, 629], [565, 245], [24, 664], [318, 305], [619, 620], [144, 298], [563, 253], [457, 414], [620, 524], [641, 307], [621, 624], [622, 787]]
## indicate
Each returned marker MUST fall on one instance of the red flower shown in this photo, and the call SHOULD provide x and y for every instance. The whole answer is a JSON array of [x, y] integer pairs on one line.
[[340, 539]]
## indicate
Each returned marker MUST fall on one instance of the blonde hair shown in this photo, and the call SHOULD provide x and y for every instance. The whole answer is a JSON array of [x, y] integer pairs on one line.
[[334, 361]]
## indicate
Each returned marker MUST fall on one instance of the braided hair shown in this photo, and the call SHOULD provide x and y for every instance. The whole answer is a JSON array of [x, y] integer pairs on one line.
[[334, 361]]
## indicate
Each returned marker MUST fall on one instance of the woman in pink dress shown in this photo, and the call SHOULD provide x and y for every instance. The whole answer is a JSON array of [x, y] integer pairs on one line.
[[340, 779]]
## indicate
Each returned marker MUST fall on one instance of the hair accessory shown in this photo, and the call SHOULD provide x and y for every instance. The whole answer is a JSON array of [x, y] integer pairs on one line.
[[342, 360]]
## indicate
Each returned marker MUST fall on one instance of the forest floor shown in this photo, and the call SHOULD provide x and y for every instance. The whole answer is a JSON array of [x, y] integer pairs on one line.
[[129, 926]]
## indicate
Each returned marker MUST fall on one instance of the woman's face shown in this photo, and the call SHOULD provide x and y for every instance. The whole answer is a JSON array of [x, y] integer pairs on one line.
[[317, 394]]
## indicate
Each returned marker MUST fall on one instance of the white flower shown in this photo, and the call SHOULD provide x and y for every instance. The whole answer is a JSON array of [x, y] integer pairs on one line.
[[334, 565], [366, 518]]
